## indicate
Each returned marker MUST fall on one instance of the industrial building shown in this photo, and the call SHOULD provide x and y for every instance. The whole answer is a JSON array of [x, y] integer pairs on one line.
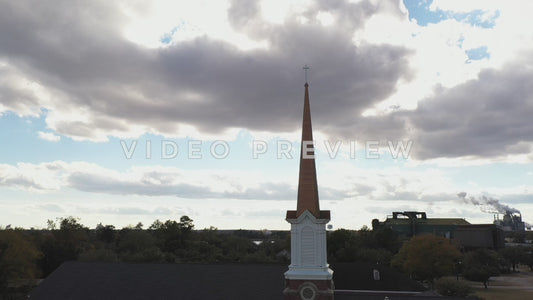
[[475, 236], [458, 230], [411, 223], [511, 222]]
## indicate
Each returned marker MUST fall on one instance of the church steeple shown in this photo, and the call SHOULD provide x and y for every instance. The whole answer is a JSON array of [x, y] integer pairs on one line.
[[307, 184], [309, 276]]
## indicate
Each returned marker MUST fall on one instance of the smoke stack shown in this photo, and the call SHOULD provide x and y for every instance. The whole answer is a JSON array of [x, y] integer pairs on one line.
[[488, 201]]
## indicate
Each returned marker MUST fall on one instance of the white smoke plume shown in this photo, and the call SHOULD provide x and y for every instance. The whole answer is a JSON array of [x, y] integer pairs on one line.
[[487, 202]]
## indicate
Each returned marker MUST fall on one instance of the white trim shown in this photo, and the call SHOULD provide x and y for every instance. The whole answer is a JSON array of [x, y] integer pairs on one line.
[[309, 273]]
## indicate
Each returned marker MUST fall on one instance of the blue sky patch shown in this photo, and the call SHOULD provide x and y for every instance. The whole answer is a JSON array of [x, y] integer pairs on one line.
[[421, 12], [167, 36], [477, 53]]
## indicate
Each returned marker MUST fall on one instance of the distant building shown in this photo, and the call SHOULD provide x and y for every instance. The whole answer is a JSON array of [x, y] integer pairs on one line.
[[411, 223], [461, 232], [511, 222], [476, 236]]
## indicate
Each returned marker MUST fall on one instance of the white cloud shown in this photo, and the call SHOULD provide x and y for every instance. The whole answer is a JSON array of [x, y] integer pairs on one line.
[[510, 36], [180, 21], [99, 194], [49, 136], [337, 180], [145, 181], [325, 18]]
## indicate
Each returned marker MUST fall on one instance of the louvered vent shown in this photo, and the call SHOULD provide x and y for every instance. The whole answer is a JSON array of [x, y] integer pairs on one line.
[[308, 246]]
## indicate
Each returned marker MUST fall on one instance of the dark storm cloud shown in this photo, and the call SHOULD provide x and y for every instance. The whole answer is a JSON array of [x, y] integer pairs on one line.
[[489, 116], [77, 48]]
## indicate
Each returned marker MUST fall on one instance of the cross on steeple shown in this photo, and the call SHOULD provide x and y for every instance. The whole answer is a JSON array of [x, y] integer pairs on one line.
[[306, 67]]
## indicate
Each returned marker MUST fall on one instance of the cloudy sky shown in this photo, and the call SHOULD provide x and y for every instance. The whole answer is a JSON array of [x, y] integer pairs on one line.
[[126, 111]]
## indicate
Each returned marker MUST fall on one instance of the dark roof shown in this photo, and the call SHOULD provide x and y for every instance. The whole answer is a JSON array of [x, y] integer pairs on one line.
[[83, 281], [429, 221], [80, 281], [359, 276]]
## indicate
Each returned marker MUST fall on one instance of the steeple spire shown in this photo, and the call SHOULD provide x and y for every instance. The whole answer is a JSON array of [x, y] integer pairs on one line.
[[307, 184], [309, 275]]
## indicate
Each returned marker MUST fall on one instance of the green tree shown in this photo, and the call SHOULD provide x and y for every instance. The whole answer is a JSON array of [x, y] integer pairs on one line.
[[173, 237], [342, 246], [478, 273], [235, 247], [106, 233], [70, 223], [427, 257], [479, 265], [51, 225], [186, 224], [64, 244], [514, 255], [156, 225], [138, 246], [453, 288], [528, 259], [386, 238]]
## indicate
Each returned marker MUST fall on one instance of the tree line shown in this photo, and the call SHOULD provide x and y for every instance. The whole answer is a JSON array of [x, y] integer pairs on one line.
[[30, 254]]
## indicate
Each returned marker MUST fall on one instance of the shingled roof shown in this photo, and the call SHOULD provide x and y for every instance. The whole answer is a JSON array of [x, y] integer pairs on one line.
[[88, 281], [95, 281]]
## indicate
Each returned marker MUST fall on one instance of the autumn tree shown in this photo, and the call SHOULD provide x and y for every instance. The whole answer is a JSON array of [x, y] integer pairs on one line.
[[18, 256], [427, 257]]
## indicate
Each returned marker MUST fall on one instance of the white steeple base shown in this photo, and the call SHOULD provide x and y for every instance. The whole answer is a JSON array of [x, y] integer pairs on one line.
[[309, 276]]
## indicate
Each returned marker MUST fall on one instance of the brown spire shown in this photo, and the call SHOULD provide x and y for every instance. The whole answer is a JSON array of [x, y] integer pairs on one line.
[[307, 184]]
